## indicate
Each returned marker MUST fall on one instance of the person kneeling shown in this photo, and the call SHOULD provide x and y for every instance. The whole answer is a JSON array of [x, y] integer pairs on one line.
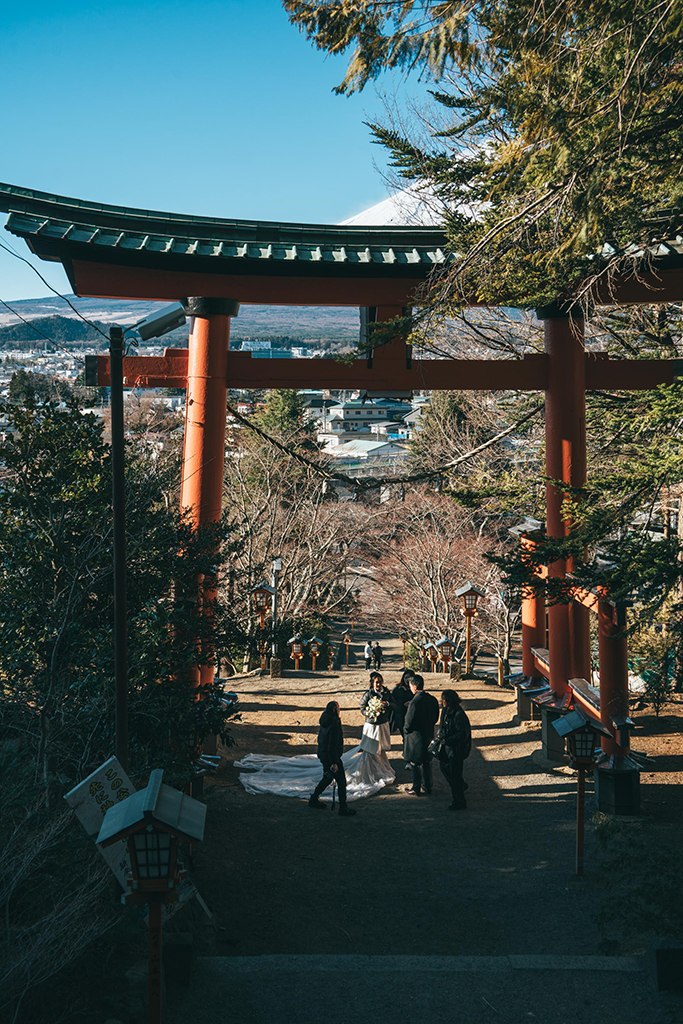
[[330, 750]]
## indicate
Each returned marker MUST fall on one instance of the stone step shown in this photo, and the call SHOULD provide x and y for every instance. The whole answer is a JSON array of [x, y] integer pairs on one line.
[[405, 989]]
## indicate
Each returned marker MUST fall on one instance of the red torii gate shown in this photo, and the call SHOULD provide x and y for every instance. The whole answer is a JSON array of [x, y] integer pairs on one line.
[[114, 252]]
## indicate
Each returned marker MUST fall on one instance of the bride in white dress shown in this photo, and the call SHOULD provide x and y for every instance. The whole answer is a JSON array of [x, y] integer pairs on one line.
[[366, 766]]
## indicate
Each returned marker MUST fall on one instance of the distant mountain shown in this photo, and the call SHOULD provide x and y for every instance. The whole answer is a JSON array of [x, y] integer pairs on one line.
[[53, 317], [70, 333]]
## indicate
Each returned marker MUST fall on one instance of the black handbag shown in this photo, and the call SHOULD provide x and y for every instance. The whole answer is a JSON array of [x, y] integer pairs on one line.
[[435, 748]]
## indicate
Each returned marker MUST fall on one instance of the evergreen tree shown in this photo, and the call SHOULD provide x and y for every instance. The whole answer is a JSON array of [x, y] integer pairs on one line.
[[557, 129], [283, 413]]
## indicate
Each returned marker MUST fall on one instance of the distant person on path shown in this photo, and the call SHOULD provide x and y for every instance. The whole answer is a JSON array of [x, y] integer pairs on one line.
[[330, 750], [418, 731], [376, 737], [377, 655], [402, 697], [455, 735], [368, 655]]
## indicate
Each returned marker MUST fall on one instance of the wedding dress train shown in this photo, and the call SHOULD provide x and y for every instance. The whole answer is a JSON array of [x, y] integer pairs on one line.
[[366, 773]]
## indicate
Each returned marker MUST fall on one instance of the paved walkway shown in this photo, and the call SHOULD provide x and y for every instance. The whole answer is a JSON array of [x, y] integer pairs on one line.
[[406, 912], [420, 990]]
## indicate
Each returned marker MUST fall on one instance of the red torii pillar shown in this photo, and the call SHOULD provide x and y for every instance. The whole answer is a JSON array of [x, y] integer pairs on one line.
[[565, 461], [533, 620], [201, 492]]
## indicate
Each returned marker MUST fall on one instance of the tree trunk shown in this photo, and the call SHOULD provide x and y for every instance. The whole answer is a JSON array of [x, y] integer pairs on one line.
[[678, 624]]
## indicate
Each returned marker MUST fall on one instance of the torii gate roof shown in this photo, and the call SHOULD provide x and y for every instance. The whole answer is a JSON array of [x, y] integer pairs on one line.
[[123, 252], [116, 251]]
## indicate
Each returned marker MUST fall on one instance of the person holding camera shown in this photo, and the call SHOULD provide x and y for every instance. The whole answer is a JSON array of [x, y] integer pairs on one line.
[[454, 744], [330, 750]]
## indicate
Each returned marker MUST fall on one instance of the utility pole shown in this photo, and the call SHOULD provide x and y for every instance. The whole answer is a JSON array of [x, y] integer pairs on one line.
[[116, 344]]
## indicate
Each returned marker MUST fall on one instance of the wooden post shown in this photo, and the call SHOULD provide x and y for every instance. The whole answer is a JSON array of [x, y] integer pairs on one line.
[[468, 649], [313, 657], [347, 653], [580, 817], [501, 672], [613, 676], [154, 967]]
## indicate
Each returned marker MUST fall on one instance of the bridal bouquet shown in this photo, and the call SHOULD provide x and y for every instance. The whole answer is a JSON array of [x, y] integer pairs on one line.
[[374, 708]]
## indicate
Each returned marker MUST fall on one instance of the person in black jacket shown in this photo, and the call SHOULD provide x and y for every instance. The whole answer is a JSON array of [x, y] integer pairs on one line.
[[402, 696], [330, 750], [418, 731], [455, 734]]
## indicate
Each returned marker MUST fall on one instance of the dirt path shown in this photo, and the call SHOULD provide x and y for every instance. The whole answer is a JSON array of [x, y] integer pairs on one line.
[[404, 875]]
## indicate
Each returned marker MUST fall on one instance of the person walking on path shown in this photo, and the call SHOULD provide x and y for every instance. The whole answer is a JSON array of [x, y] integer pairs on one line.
[[402, 696], [418, 731], [455, 743], [330, 750], [368, 655], [377, 655]]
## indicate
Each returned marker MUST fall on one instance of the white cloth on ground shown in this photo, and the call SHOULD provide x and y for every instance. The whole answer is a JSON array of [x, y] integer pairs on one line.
[[366, 774]]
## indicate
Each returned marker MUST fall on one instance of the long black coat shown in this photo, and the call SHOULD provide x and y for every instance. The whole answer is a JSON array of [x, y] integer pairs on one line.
[[401, 695], [330, 737], [456, 733], [383, 695], [421, 717]]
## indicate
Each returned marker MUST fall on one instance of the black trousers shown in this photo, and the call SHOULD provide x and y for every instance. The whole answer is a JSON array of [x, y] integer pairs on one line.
[[452, 772], [330, 776], [418, 771]]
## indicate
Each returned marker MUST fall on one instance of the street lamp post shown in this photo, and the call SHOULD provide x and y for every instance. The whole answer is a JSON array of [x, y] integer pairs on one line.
[[314, 647], [261, 597], [152, 821], [347, 640], [153, 326], [297, 644], [445, 650], [470, 595], [404, 638], [276, 569], [583, 739], [356, 594]]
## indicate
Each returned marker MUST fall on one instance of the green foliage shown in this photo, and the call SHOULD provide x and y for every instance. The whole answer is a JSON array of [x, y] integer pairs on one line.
[[651, 656], [56, 648], [283, 414], [25, 387], [557, 129]]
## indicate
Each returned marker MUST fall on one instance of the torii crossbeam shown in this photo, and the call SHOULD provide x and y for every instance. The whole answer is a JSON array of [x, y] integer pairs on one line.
[[115, 252]]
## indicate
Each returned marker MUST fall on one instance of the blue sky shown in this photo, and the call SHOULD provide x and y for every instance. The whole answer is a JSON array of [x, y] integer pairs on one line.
[[195, 107]]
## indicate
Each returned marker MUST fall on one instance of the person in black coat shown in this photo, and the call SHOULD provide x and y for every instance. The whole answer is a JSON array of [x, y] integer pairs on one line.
[[377, 655], [402, 696], [330, 750], [418, 732], [455, 734]]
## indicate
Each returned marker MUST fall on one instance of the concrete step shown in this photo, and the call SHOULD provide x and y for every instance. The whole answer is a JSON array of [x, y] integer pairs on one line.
[[321, 989]]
